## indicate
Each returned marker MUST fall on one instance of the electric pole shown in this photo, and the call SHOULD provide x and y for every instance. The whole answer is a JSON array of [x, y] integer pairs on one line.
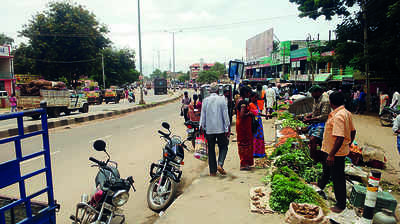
[[140, 56]]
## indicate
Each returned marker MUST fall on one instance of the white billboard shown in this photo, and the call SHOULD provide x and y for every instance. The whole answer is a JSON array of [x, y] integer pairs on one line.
[[260, 45], [4, 51]]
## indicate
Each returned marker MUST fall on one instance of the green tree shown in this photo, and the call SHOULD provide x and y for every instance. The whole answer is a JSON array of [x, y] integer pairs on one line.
[[328, 8], [219, 68], [4, 39], [156, 74], [23, 63], [208, 76], [65, 40], [184, 77]]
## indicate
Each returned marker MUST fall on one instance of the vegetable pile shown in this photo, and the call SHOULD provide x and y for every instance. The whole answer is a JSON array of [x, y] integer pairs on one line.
[[306, 210], [293, 124]]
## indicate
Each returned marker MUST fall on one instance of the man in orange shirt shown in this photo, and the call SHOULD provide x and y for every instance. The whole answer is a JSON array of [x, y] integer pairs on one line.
[[339, 134]]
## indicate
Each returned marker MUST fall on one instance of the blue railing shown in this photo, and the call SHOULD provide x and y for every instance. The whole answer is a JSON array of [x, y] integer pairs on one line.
[[11, 173]]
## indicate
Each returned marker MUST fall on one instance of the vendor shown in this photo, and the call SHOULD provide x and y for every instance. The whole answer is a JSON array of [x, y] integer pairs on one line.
[[317, 118]]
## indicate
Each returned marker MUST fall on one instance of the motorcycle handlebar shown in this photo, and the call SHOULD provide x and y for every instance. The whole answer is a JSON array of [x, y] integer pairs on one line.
[[97, 161], [162, 133]]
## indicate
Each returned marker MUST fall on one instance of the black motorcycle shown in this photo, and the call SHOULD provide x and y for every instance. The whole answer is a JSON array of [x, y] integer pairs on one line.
[[112, 192], [193, 130], [387, 116], [166, 174]]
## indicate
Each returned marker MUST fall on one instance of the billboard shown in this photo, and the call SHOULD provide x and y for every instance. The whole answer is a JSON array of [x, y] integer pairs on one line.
[[260, 45], [4, 50]]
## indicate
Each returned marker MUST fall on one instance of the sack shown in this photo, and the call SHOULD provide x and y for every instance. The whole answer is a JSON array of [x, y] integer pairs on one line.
[[201, 149], [254, 125], [293, 217]]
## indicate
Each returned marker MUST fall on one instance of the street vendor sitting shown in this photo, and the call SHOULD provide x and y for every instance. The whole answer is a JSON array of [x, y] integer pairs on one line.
[[317, 118]]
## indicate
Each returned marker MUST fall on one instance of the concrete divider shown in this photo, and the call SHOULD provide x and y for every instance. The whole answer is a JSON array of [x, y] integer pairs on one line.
[[54, 123]]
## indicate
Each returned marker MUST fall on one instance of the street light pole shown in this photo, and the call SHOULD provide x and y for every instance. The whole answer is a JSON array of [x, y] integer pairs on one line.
[[102, 65], [173, 48], [141, 101]]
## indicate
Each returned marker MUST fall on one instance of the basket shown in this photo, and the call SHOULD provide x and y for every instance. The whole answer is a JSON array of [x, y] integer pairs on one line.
[[384, 201]]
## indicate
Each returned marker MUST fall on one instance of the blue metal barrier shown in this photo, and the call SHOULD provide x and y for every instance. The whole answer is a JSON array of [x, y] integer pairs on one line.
[[10, 172]]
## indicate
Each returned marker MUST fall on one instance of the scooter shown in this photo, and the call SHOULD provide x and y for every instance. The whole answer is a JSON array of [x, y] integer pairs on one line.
[[166, 174], [112, 192], [131, 98]]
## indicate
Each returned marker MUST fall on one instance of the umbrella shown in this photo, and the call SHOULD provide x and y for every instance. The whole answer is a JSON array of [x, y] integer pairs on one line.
[[302, 105]]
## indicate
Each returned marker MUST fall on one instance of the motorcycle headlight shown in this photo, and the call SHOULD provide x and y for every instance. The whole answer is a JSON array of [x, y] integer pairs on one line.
[[120, 198], [178, 159]]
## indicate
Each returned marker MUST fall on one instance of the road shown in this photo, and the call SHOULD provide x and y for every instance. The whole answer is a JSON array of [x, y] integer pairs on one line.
[[97, 108], [132, 141]]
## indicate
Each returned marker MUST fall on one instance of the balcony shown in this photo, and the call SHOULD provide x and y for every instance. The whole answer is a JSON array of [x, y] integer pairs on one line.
[[4, 75]]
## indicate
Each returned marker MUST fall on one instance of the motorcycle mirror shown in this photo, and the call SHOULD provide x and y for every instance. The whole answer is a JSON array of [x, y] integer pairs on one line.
[[165, 125], [99, 145]]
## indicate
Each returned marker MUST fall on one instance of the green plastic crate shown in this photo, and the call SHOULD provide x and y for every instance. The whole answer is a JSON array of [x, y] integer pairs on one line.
[[384, 200]]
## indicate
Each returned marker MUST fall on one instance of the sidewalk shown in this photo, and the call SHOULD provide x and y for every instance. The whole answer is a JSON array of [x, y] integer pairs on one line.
[[222, 199]]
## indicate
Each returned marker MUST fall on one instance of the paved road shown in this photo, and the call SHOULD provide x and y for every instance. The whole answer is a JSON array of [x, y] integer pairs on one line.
[[133, 142], [150, 98]]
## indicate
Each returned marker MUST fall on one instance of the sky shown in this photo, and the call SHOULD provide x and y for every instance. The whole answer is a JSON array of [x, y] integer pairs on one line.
[[212, 30]]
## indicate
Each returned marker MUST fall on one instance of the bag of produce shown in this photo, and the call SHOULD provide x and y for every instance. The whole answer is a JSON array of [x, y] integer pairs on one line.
[[305, 214], [201, 152]]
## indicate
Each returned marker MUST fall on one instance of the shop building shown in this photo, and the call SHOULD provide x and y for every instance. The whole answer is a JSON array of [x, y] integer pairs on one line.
[[196, 68], [7, 79]]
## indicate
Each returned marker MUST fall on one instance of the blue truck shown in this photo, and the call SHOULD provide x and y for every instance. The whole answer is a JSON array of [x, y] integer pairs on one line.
[[24, 209]]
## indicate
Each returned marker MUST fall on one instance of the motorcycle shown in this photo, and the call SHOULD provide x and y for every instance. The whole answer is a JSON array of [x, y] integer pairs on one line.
[[112, 192], [166, 174], [193, 130], [387, 116], [131, 99]]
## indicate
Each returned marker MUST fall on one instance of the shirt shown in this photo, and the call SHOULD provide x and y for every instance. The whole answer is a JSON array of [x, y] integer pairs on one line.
[[13, 101], [214, 116], [321, 108], [339, 124], [396, 124], [361, 98], [396, 97], [277, 91]]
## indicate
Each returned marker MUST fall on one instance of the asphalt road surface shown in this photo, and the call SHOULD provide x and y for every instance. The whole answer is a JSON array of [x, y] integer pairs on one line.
[[132, 141]]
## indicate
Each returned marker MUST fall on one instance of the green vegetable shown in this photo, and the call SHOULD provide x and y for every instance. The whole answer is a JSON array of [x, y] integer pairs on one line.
[[293, 124], [284, 148], [285, 115]]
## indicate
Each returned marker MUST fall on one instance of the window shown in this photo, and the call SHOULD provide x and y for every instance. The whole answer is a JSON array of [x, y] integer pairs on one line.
[[2, 86]]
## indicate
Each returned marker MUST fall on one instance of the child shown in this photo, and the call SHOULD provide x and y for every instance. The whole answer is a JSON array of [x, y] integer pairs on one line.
[[13, 103]]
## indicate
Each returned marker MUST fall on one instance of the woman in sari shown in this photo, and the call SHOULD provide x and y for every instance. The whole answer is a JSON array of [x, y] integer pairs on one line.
[[258, 142], [243, 129]]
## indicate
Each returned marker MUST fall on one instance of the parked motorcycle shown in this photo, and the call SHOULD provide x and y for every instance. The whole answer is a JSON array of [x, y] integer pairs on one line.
[[193, 130], [131, 99], [166, 174], [112, 192], [387, 116]]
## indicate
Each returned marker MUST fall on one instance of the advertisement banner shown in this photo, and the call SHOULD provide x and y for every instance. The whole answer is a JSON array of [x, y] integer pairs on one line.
[[4, 51], [260, 45]]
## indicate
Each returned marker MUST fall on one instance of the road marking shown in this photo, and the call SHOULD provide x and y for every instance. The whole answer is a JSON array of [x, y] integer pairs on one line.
[[137, 127], [33, 159]]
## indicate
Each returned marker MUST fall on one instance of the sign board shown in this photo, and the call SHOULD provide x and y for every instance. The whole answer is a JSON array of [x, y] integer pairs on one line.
[[260, 45], [4, 51], [236, 69], [295, 64]]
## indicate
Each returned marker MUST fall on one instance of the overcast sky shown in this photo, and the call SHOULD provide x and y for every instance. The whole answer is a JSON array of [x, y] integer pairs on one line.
[[215, 30]]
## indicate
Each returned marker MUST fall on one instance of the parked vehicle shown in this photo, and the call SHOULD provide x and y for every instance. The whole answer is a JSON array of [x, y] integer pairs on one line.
[[387, 116], [160, 86], [166, 174], [193, 131], [94, 97], [110, 95], [112, 192], [57, 101]]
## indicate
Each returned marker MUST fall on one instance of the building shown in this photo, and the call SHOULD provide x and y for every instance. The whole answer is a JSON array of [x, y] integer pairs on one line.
[[196, 68], [7, 79]]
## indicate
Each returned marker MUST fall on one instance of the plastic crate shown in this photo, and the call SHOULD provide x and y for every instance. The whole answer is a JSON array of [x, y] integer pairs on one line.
[[384, 200]]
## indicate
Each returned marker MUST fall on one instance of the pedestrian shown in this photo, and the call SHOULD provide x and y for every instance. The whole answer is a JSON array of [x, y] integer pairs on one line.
[[396, 130], [243, 129], [185, 105], [356, 95], [361, 102], [258, 142], [214, 121], [13, 103], [395, 101], [126, 95], [271, 97], [384, 99], [261, 98], [339, 134], [317, 118], [194, 109]]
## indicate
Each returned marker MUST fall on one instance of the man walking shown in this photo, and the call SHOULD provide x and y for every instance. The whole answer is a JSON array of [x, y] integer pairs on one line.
[[339, 134], [214, 120]]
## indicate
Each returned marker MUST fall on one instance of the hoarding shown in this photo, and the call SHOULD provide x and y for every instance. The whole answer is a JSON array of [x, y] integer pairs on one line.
[[4, 51], [260, 45]]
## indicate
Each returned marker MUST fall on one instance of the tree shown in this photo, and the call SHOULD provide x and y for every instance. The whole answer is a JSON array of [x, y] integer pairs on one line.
[[64, 40], [328, 8], [219, 68], [184, 77], [208, 76], [156, 74], [4, 39]]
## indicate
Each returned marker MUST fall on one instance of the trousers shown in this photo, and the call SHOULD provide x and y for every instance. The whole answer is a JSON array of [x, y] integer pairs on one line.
[[336, 173], [222, 142]]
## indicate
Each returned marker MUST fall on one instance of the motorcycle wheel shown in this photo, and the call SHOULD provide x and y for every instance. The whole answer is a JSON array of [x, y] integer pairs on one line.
[[386, 119], [159, 203]]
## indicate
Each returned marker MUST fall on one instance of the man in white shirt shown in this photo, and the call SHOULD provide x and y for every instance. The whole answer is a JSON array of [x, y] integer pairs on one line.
[[396, 130], [395, 100], [214, 120]]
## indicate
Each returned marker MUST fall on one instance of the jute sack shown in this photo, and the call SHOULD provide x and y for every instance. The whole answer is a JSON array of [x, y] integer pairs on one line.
[[293, 218]]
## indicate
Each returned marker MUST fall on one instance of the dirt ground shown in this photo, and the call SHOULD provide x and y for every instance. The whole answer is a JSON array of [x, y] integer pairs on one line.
[[370, 132]]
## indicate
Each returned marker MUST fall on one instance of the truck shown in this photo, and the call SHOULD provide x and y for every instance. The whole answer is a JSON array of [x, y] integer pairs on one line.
[[160, 86], [58, 101]]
